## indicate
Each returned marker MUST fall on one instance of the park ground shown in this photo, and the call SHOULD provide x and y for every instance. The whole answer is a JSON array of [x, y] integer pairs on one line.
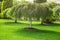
[[15, 31]]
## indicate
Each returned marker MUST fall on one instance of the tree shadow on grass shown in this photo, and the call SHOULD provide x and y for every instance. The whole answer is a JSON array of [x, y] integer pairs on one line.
[[11, 23], [8, 23], [39, 34], [16, 24], [54, 25]]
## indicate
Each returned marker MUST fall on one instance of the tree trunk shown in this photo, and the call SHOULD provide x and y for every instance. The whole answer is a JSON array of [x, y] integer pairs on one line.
[[15, 20], [30, 23], [42, 21], [38, 19]]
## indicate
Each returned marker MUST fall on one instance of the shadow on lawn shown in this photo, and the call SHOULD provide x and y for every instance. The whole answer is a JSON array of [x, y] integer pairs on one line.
[[55, 24], [13, 23], [38, 34]]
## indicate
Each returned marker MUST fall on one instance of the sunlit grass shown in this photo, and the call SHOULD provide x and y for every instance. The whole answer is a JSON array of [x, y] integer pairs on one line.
[[15, 31]]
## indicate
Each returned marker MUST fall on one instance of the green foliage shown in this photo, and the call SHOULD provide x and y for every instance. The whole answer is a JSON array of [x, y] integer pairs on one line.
[[28, 10], [15, 11], [32, 11], [4, 13], [52, 5], [57, 12], [10, 13], [49, 15], [15, 2], [39, 1], [0, 7], [6, 4]]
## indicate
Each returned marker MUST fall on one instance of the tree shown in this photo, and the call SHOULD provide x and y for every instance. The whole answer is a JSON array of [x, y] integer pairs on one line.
[[49, 16], [45, 13], [29, 12], [16, 12], [49, 11], [6, 4], [52, 5], [57, 13], [51, 19], [4, 13]]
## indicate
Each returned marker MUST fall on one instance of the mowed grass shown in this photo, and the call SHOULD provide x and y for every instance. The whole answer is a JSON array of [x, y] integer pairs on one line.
[[15, 31]]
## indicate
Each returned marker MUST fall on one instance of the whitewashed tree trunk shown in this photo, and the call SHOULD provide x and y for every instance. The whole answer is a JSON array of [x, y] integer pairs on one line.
[[30, 22]]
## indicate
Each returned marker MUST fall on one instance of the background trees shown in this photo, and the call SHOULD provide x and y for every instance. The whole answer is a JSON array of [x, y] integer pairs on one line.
[[39, 1], [37, 10], [52, 5], [29, 10], [44, 13], [6, 4], [57, 12]]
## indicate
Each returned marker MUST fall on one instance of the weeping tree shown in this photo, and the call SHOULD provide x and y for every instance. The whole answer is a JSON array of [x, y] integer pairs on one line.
[[19, 12], [48, 17], [51, 19], [4, 13], [10, 12], [47, 13], [31, 11], [57, 13], [16, 12], [6, 4], [28, 12], [38, 11], [44, 11], [49, 9]]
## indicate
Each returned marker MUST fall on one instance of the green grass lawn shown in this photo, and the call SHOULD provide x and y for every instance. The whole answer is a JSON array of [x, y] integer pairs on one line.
[[15, 31]]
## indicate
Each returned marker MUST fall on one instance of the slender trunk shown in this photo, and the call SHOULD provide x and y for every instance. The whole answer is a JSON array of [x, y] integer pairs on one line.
[[42, 21], [16, 20], [38, 19], [30, 23]]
